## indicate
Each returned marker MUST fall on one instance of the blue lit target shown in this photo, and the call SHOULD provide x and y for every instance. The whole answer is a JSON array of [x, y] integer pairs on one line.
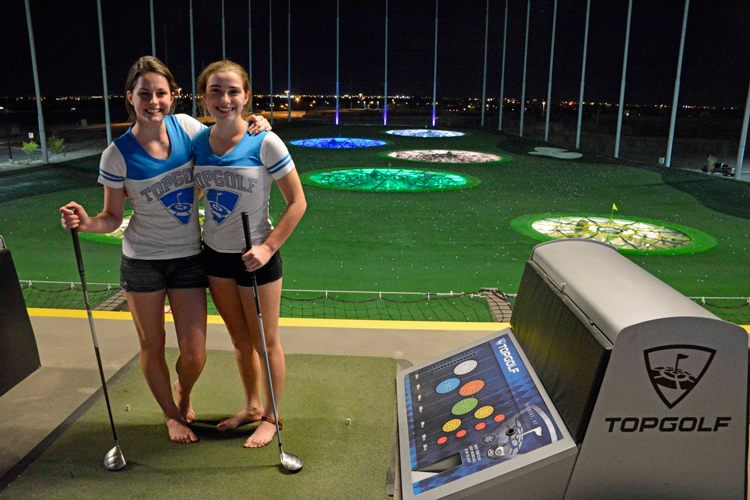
[[338, 142], [447, 385], [425, 133]]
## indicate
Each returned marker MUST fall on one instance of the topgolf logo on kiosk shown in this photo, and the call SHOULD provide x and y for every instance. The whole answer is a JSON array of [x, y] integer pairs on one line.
[[674, 371]]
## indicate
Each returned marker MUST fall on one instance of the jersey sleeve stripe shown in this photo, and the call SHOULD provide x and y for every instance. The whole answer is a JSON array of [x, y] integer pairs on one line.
[[275, 165], [110, 177], [278, 166]]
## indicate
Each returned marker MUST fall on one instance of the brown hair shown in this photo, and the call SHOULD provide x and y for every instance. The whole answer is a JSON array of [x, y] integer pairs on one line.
[[147, 64], [219, 67]]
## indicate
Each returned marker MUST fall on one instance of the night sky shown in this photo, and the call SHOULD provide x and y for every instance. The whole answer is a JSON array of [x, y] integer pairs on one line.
[[716, 69]]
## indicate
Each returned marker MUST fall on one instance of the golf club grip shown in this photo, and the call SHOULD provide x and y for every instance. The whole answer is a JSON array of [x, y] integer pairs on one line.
[[77, 249], [246, 229]]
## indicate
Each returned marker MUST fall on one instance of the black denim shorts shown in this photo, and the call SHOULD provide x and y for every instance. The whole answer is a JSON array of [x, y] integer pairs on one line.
[[144, 276], [231, 265]]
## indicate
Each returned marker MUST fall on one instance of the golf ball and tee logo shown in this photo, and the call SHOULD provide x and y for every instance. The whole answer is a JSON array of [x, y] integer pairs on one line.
[[221, 204], [180, 204], [471, 411], [675, 370]]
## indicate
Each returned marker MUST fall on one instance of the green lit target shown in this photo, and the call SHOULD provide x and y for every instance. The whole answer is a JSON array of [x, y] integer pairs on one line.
[[389, 180]]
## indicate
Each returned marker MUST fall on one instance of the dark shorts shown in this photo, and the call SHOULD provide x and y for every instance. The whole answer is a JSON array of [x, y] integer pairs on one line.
[[231, 265], [144, 276]]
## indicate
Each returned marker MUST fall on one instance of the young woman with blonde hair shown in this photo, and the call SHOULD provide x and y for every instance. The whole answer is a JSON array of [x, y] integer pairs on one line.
[[236, 171]]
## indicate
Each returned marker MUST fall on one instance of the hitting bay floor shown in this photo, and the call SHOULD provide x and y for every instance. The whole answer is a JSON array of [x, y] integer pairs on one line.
[[38, 405]]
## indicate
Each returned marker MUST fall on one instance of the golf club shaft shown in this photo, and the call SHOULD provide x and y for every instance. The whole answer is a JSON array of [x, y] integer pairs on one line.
[[249, 245], [82, 273]]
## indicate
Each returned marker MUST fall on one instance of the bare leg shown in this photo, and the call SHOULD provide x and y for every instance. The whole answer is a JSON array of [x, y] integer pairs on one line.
[[189, 312], [227, 300], [270, 304], [148, 314]]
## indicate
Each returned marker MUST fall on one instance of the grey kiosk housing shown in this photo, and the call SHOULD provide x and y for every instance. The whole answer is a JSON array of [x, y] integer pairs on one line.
[[651, 388]]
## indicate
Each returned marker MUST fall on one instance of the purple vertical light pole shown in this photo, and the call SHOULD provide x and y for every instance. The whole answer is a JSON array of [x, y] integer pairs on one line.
[[337, 62], [434, 77], [385, 96]]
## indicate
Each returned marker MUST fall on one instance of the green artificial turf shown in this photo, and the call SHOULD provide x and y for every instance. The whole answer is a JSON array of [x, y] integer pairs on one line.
[[439, 241], [320, 394]]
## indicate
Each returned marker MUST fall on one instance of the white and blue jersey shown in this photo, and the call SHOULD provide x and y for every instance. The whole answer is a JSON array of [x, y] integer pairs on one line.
[[164, 223], [240, 181]]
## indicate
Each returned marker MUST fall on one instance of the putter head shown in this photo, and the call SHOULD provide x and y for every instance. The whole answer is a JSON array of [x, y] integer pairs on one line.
[[290, 462], [114, 460]]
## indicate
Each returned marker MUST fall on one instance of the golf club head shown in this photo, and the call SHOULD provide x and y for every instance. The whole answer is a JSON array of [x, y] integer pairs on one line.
[[114, 460], [290, 462]]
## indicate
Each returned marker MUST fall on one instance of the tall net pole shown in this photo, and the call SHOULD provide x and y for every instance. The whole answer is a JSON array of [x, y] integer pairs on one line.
[[551, 63], [249, 51], [40, 116], [153, 29], [583, 75], [270, 57], [223, 34], [337, 62], [192, 61], [621, 109], [525, 60], [743, 138], [289, 59], [486, 37], [502, 75], [104, 74], [673, 120], [434, 76]]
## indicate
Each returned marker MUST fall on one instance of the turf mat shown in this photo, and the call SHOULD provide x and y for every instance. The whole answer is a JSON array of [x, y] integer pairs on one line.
[[320, 394]]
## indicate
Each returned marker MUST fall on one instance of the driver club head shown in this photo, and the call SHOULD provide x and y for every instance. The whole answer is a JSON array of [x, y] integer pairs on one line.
[[114, 460], [290, 462]]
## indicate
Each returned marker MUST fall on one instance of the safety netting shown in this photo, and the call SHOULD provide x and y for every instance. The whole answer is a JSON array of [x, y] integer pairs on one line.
[[464, 307]]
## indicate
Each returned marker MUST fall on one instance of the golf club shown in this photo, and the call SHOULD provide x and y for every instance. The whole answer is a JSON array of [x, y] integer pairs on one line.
[[113, 460], [289, 461]]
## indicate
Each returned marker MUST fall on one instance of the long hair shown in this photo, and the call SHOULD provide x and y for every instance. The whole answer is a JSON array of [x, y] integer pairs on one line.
[[148, 64], [220, 67]]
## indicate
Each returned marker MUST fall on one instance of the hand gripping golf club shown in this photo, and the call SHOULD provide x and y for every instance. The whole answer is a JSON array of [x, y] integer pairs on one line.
[[289, 461], [113, 460]]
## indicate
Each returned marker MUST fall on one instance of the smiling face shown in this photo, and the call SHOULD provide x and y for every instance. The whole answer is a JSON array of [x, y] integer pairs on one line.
[[225, 96], [151, 98]]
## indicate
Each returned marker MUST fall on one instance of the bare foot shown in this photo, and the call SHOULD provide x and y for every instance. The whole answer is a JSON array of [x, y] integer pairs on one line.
[[245, 416], [184, 404], [262, 435], [179, 432]]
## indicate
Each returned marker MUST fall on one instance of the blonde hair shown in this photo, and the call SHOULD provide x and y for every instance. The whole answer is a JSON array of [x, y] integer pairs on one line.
[[220, 67], [148, 64]]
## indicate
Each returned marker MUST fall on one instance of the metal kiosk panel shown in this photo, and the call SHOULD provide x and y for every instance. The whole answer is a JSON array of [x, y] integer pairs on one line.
[[478, 419], [19, 356]]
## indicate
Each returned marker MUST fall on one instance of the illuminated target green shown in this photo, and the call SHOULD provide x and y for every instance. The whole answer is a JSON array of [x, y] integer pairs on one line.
[[389, 180], [629, 235], [464, 406]]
